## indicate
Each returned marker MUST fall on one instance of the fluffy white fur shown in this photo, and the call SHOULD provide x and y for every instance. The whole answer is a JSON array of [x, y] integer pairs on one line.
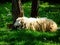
[[40, 24]]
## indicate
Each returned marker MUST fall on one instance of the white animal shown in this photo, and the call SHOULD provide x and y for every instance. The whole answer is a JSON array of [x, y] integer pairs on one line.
[[40, 24]]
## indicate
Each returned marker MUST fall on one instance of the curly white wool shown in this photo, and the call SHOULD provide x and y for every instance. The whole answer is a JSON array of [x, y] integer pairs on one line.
[[40, 24]]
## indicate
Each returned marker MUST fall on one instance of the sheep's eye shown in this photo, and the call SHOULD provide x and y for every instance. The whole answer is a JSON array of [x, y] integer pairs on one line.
[[50, 28]]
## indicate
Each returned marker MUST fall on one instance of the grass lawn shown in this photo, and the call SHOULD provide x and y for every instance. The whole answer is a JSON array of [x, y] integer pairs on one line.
[[28, 37]]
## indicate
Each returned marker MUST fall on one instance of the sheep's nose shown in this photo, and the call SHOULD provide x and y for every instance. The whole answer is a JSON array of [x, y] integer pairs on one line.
[[16, 26]]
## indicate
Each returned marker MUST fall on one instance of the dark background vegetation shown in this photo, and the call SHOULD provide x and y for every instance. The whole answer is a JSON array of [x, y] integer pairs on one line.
[[50, 1]]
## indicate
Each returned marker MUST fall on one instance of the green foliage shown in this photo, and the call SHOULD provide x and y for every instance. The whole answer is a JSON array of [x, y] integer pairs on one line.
[[45, 10], [28, 7], [28, 37], [5, 14]]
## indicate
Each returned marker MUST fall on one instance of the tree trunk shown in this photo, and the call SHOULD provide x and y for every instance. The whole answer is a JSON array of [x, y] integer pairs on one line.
[[17, 9], [34, 11]]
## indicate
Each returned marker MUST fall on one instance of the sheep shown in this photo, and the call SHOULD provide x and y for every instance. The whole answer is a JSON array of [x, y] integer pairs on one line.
[[39, 24], [47, 24]]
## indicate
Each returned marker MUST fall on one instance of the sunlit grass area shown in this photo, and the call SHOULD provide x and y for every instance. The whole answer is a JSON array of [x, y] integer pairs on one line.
[[28, 37]]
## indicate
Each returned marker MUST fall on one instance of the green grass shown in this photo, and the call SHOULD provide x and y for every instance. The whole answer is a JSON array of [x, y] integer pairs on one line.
[[28, 37]]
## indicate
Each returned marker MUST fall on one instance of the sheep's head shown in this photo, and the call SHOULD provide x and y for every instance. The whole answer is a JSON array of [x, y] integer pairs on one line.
[[18, 22]]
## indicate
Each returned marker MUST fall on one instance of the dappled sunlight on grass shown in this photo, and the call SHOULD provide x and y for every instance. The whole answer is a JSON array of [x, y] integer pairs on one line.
[[20, 43], [4, 43], [27, 37], [44, 5]]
